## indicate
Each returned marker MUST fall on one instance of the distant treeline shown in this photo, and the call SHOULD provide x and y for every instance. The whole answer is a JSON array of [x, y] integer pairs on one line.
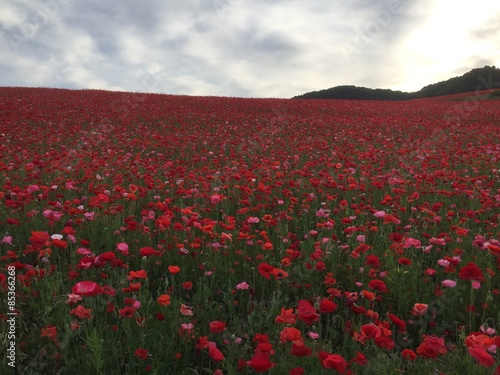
[[477, 79]]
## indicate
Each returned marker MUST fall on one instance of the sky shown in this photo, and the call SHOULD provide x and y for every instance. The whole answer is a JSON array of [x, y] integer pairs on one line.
[[244, 48]]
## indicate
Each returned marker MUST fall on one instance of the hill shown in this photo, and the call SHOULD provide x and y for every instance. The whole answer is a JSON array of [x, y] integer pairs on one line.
[[485, 78]]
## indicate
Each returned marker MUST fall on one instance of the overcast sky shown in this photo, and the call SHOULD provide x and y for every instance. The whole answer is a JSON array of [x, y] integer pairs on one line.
[[244, 48]]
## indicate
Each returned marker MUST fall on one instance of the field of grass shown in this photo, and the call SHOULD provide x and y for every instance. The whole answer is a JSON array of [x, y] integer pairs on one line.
[[144, 233]]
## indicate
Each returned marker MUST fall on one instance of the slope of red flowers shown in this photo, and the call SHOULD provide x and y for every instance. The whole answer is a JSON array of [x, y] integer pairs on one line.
[[335, 200]]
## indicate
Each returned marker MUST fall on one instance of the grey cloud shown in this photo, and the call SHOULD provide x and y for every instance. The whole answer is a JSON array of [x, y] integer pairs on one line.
[[220, 47], [491, 30]]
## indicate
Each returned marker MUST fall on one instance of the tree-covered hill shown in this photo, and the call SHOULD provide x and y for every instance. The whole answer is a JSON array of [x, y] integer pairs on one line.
[[485, 78]]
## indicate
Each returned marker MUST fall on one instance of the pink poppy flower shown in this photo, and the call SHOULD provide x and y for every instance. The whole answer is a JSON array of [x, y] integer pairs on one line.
[[448, 283], [86, 289], [242, 286]]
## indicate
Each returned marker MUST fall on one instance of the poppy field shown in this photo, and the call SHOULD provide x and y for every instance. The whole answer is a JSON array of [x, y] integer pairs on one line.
[[160, 234]]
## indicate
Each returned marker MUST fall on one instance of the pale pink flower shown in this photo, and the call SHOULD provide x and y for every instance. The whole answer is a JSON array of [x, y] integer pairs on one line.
[[186, 310], [411, 242], [427, 249], [476, 284], [73, 298], [33, 188], [488, 330], [361, 238], [83, 251], [379, 214], [437, 241], [314, 335], [215, 198], [443, 262], [7, 240], [123, 247], [320, 213], [242, 286], [448, 283], [47, 213]]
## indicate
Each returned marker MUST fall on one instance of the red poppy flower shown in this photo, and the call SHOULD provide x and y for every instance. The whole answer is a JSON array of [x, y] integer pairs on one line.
[[481, 355], [420, 308], [286, 316], [300, 350], [432, 347], [327, 306], [360, 359], [378, 285], [296, 371], [141, 353], [279, 273], [107, 256], [217, 326], [495, 249], [215, 353], [471, 272], [409, 354], [367, 332], [141, 274], [60, 244], [291, 334], [82, 312], [174, 269], [164, 300], [148, 251], [384, 342], [127, 312], [404, 261], [373, 260], [261, 361], [202, 343], [401, 324], [268, 246], [307, 312], [333, 361], [265, 270], [50, 332], [39, 239]]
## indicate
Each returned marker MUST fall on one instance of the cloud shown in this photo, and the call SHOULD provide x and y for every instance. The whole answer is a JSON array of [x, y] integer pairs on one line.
[[241, 48]]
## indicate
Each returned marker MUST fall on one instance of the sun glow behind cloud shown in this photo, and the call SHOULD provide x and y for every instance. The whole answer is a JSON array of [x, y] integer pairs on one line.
[[446, 43]]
